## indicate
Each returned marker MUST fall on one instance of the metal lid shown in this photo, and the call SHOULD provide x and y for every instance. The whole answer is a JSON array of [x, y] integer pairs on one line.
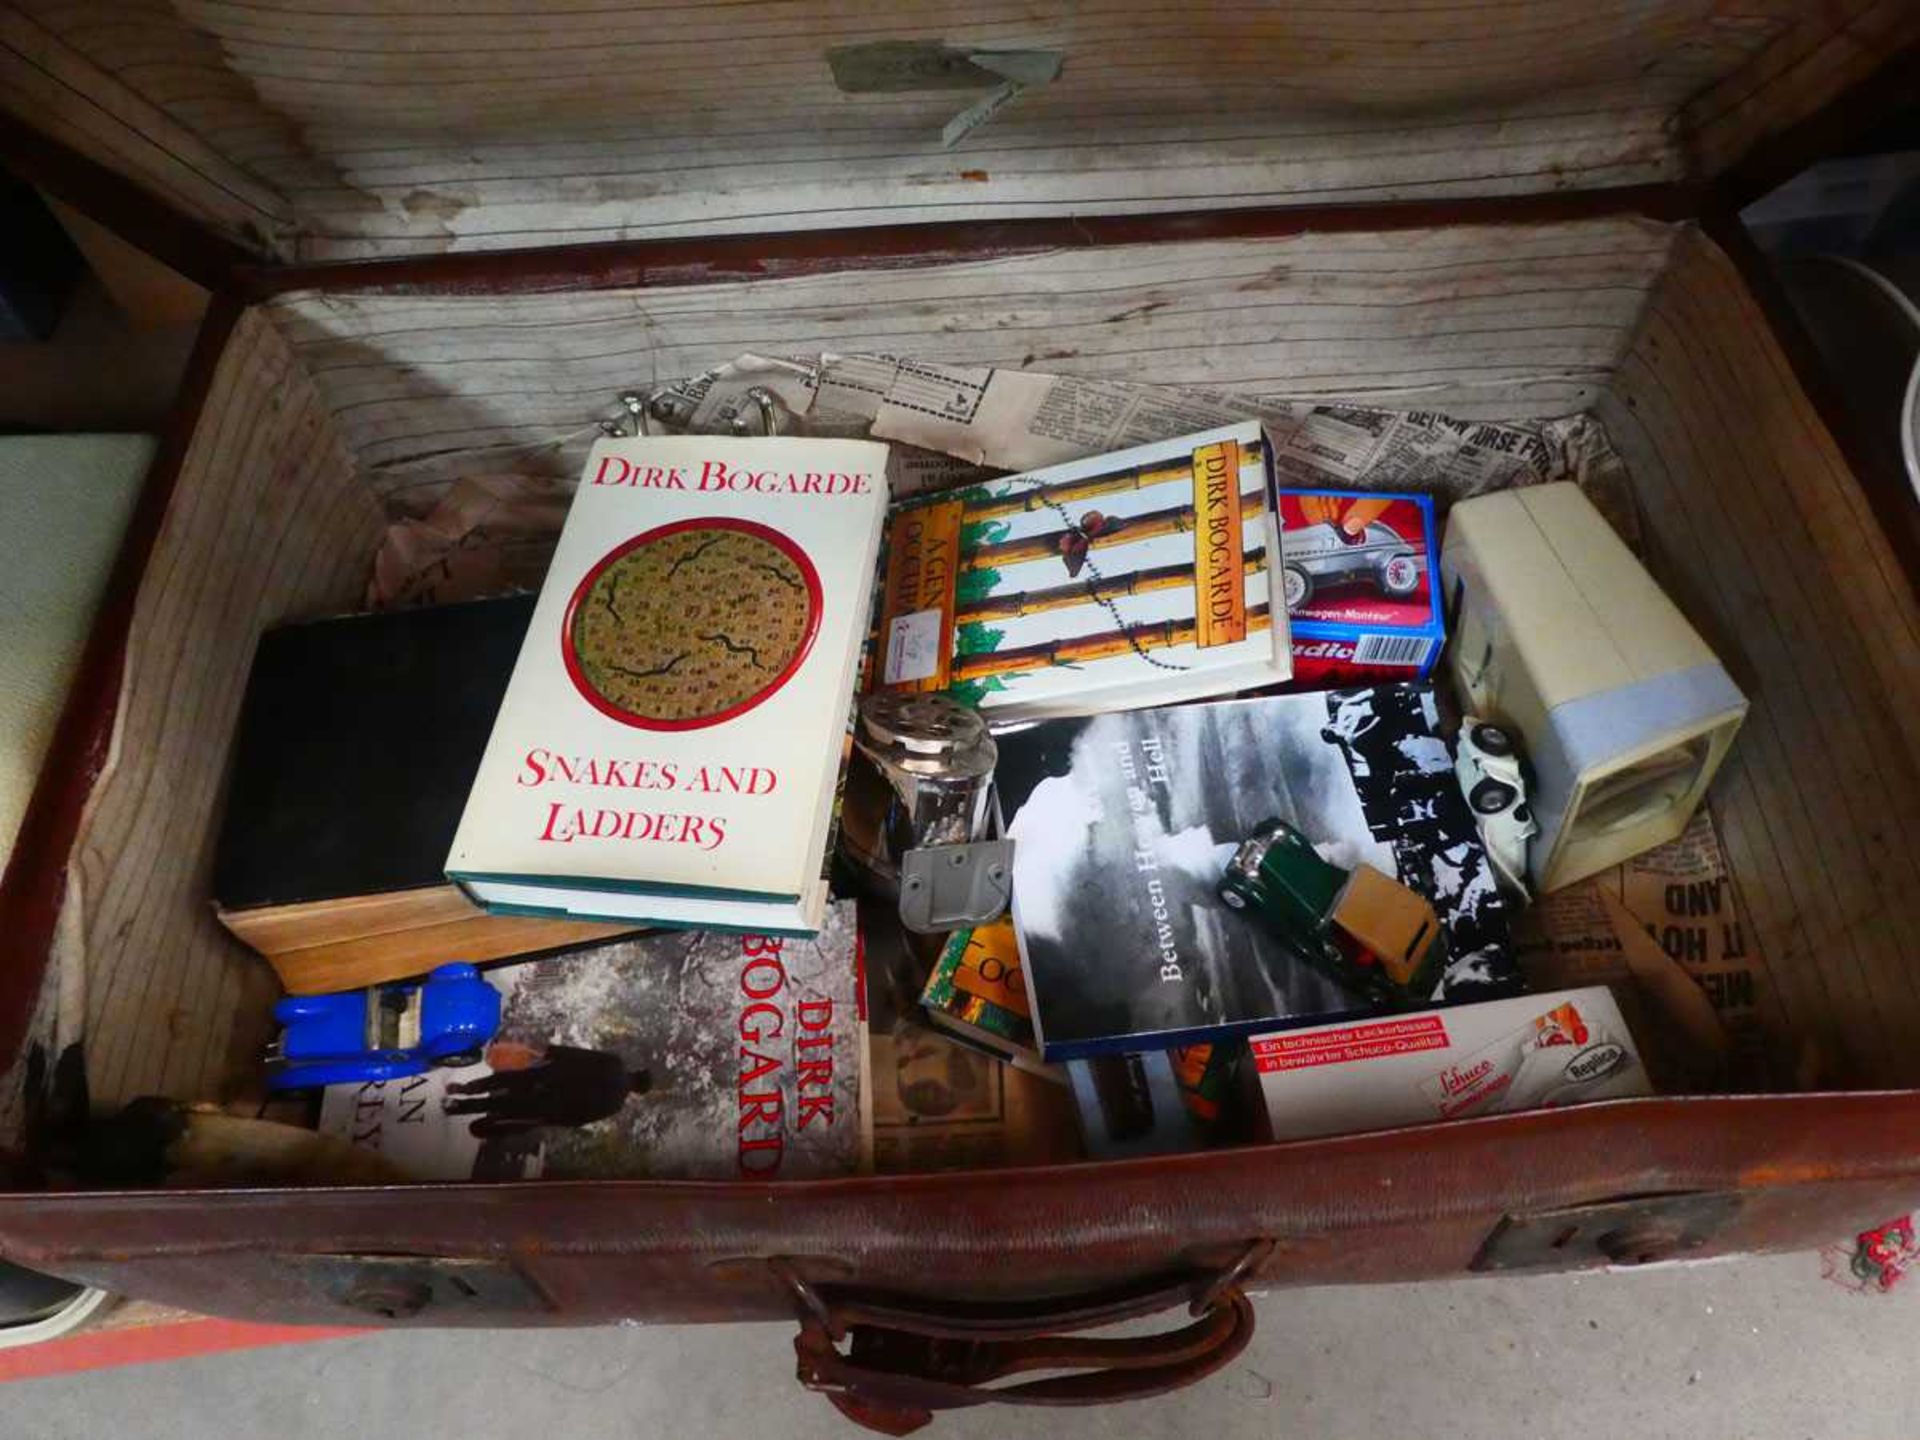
[[926, 734]]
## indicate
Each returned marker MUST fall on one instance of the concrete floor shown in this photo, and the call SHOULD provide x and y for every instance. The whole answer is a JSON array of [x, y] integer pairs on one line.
[[1763, 1349]]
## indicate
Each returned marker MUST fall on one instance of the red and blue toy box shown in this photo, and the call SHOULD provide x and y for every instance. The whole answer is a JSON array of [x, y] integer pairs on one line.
[[1358, 572]]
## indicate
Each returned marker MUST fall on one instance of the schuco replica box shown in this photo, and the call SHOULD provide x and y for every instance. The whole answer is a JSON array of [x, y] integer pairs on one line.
[[1358, 576], [1526, 1053]]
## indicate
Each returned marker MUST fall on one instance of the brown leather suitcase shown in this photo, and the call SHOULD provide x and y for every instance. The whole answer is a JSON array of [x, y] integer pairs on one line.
[[442, 236]]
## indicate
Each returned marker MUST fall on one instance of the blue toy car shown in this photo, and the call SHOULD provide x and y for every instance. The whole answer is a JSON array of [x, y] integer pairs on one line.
[[388, 1032]]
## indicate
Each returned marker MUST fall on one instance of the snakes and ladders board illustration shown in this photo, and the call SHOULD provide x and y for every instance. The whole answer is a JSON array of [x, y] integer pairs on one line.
[[692, 623]]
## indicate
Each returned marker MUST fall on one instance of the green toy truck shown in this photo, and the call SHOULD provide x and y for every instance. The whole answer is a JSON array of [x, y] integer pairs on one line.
[[1364, 930]]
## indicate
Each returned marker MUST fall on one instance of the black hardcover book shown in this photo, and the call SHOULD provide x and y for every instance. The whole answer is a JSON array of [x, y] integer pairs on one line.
[[1123, 825], [358, 741]]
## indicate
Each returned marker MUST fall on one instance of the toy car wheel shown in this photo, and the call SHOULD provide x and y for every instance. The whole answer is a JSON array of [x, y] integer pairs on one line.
[[1493, 740], [1232, 898], [1296, 585], [1490, 797], [460, 1060], [1400, 575]]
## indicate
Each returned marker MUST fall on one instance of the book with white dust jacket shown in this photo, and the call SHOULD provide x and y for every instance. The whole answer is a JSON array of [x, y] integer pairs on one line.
[[670, 743]]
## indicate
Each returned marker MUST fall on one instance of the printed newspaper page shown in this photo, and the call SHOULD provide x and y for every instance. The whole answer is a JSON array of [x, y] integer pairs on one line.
[[1685, 896]]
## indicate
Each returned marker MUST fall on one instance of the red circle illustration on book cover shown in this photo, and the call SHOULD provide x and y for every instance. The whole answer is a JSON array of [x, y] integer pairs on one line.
[[691, 624]]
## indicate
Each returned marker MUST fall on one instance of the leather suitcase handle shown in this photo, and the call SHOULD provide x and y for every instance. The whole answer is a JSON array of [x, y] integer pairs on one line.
[[907, 1358]]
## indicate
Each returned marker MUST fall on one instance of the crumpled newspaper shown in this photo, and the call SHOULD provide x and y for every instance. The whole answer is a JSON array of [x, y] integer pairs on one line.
[[1021, 420], [952, 424], [488, 535]]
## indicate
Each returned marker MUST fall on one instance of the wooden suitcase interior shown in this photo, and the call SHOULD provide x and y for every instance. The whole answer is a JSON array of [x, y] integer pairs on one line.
[[330, 410], [307, 134]]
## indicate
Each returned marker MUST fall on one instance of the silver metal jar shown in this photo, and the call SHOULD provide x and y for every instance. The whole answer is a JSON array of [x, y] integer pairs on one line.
[[922, 774]]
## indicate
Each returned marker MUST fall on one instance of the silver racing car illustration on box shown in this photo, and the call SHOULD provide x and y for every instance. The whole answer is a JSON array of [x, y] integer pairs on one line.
[[1319, 556]]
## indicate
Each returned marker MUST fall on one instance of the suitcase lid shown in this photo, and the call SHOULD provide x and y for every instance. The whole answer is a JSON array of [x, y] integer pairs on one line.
[[362, 129]]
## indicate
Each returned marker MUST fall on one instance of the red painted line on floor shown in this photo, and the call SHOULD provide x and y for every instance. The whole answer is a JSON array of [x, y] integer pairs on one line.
[[150, 1344]]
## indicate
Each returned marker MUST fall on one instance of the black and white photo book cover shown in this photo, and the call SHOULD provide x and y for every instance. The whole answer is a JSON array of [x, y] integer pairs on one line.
[[1123, 825]]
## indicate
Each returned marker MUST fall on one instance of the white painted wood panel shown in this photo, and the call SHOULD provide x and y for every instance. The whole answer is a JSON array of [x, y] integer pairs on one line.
[[387, 128]]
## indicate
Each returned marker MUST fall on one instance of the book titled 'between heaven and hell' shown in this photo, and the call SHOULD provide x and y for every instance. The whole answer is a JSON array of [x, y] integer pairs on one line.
[[670, 743]]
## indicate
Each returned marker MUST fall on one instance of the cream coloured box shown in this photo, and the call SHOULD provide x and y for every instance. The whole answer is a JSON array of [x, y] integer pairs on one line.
[[1559, 632]]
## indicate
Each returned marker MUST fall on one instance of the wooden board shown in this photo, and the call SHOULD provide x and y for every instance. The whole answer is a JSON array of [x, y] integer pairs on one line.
[[268, 522], [1759, 532], [1483, 322], [456, 124]]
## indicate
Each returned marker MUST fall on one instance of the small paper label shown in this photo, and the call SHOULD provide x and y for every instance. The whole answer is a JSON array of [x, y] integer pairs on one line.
[[913, 647]]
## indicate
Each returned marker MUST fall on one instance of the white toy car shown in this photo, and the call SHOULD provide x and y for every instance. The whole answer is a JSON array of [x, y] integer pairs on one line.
[[1487, 764]]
